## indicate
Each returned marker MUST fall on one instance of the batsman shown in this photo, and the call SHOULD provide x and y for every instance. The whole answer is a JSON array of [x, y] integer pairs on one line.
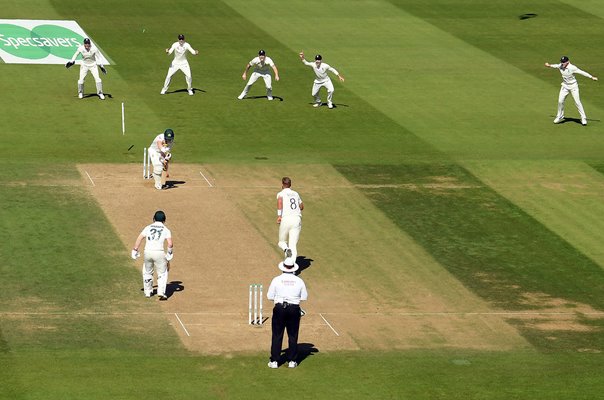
[[160, 154]]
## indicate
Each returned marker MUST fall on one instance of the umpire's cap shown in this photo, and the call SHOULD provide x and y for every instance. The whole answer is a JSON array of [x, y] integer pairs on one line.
[[261, 53], [159, 216], [563, 59], [288, 265], [86, 41], [168, 135], [318, 57]]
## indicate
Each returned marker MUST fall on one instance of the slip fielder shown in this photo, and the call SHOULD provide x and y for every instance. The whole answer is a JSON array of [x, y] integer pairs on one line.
[[180, 62]]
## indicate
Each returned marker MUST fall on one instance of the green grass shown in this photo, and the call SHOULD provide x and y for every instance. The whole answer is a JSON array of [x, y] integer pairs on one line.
[[430, 86]]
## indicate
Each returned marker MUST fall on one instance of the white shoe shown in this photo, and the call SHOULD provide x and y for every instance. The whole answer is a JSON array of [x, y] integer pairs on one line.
[[163, 91], [292, 364], [158, 187], [269, 97], [330, 105], [240, 97], [316, 104], [273, 364], [584, 121], [80, 95], [101, 96], [147, 295], [190, 92], [558, 120]]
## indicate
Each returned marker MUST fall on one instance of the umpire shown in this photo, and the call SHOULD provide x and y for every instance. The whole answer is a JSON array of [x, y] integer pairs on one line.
[[286, 290]]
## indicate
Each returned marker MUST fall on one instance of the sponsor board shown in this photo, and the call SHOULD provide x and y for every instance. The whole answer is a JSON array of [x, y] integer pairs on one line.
[[29, 41]]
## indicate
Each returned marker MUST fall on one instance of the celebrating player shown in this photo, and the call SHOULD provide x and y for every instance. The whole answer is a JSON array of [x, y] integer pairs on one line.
[[322, 79]]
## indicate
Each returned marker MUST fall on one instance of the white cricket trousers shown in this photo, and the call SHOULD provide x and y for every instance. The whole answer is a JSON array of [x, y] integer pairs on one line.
[[317, 86], [574, 91], [289, 233], [158, 166], [268, 81], [94, 70], [174, 68], [155, 261]]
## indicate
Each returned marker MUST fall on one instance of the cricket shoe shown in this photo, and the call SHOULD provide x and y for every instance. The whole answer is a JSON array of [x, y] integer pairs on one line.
[[269, 98], [273, 364], [584, 121], [558, 120], [101, 96], [80, 95], [163, 91], [316, 104], [330, 105], [190, 92], [292, 364], [240, 97], [288, 253], [148, 295], [162, 297]]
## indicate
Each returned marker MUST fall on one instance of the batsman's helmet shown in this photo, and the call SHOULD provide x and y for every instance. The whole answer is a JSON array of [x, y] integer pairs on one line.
[[318, 57], [563, 59], [169, 135], [261, 53], [86, 41], [159, 216]]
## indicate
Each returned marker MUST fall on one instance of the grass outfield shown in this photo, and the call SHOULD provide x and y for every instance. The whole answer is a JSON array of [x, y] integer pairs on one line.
[[444, 123]]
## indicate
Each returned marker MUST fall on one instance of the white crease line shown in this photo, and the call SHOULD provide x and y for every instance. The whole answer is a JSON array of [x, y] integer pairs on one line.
[[91, 181], [204, 177], [181, 324], [328, 324]]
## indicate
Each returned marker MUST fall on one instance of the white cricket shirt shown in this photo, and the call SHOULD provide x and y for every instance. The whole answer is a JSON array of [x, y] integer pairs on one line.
[[287, 287], [156, 234], [89, 57], [321, 72], [291, 202], [167, 146], [180, 52], [262, 67], [568, 77]]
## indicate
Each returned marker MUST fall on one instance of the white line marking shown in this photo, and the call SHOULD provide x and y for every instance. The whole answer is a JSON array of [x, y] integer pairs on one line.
[[204, 177], [328, 324], [91, 181], [181, 324]]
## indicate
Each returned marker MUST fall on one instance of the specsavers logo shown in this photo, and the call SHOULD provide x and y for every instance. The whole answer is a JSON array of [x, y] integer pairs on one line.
[[39, 41]]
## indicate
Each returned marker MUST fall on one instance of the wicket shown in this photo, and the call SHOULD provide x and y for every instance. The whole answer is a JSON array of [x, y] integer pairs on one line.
[[147, 167], [255, 305]]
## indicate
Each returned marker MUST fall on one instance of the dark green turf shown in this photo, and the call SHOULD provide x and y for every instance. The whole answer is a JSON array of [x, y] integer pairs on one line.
[[488, 243]]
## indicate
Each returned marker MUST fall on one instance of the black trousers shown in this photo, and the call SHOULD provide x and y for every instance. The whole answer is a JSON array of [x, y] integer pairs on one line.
[[285, 316]]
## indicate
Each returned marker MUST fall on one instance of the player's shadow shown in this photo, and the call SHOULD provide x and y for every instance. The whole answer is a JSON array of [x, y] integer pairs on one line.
[[185, 91], [173, 184], [303, 263], [335, 105], [305, 350], [262, 97], [575, 120], [173, 287], [107, 95]]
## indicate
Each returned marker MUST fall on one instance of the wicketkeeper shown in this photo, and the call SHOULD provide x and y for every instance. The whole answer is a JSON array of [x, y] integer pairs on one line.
[[90, 58]]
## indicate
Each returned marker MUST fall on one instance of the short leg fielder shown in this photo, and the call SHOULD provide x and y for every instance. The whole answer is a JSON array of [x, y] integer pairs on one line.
[[186, 69], [155, 261], [290, 227]]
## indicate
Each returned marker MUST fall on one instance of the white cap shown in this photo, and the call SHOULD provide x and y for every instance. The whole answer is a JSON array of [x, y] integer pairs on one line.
[[288, 265]]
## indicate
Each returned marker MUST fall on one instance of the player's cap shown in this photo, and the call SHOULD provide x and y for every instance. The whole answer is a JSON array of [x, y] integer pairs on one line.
[[159, 216], [261, 53], [318, 57], [563, 59], [168, 135], [181, 37], [86, 41], [288, 265]]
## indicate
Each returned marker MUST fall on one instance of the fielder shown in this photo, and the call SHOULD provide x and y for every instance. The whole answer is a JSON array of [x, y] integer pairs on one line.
[[154, 257], [160, 154], [289, 218], [180, 62], [261, 66], [569, 85], [322, 79], [90, 58]]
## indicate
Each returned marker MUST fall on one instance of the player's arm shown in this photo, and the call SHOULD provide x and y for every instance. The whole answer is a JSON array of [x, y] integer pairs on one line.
[[301, 205], [585, 74], [191, 50], [552, 65], [135, 254], [247, 68], [336, 73], [71, 62], [279, 209], [170, 50], [276, 71], [170, 253]]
